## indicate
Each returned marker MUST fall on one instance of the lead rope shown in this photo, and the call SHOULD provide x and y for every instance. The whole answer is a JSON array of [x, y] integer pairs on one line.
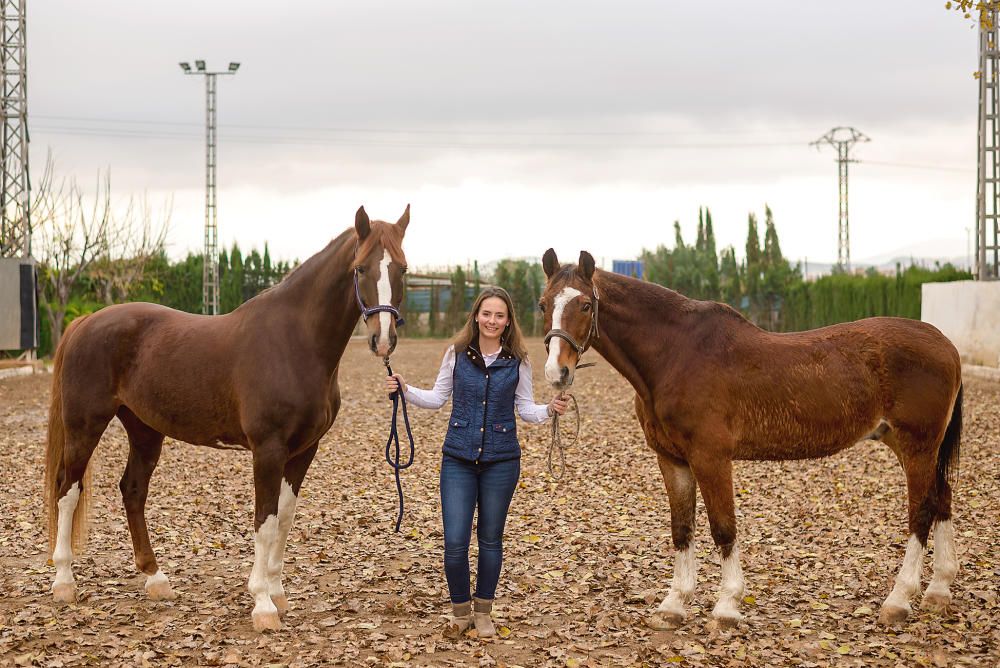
[[397, 400], [556, 443]]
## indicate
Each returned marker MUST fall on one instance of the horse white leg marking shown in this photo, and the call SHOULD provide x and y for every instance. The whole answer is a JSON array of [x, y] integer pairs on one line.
[[937, 594], [552, 370], [158, 587], [276, 559], [63, 586], [683, 583], [384, 298], [265, 614], [731, 590], [897, 605]]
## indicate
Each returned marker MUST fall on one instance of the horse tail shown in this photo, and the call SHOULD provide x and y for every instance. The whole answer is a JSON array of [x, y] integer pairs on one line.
[[54, 457], [948, 453]]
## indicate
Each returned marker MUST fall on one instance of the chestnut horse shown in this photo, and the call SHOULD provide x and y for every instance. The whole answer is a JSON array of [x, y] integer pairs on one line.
[[263, 378], [711, 388]]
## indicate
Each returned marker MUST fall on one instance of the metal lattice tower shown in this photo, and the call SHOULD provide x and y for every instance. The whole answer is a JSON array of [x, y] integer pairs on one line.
[[210, 271], [842, 139], [15, 186], [988, 160]]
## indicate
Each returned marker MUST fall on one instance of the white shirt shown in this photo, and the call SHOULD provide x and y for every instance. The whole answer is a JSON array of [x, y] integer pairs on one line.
[[436, 397]]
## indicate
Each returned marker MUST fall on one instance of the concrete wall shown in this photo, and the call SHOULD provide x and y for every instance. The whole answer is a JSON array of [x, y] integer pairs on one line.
[[968, 312]]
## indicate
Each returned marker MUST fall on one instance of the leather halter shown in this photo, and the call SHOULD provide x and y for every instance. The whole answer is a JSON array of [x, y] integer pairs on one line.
[[378, 308], [592, 333]]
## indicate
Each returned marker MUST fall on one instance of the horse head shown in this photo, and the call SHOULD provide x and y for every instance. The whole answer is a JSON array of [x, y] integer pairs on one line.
[[570, 305], [379, 265]]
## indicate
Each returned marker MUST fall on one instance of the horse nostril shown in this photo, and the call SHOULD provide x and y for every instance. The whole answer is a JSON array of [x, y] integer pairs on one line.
[[374, 341], [563, 374]]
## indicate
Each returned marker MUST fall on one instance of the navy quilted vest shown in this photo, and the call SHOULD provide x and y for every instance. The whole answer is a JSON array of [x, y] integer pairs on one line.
[[481, 427]]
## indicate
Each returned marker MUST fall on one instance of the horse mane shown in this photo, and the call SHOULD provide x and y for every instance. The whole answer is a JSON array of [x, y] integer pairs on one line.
[[652, 297]]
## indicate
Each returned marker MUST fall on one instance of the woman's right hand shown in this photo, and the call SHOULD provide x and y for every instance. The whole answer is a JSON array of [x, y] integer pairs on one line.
[[394, 383]]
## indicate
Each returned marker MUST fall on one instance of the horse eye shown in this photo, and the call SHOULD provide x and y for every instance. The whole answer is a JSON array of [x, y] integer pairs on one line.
[[403, 270], [585, 308], [541, 307], [361, 270]]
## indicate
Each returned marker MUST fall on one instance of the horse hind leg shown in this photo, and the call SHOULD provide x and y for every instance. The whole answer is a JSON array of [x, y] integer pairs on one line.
[[681, 491], [145, 444], [938, 595], [922, 504], [71, 501]]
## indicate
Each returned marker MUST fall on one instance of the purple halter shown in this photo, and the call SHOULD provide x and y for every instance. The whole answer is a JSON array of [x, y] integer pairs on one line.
[[380, 308]]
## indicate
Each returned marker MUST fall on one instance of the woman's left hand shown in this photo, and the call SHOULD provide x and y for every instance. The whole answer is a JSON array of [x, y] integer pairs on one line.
[[559, 404]]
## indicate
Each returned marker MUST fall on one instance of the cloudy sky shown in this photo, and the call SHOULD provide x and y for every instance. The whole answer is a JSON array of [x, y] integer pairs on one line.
[[514, 126]]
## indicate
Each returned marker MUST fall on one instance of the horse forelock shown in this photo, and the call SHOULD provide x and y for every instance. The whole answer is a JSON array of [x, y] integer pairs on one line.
[[383, 237]]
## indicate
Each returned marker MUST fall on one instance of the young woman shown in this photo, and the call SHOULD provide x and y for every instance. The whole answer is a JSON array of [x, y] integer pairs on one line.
[[486, 371]]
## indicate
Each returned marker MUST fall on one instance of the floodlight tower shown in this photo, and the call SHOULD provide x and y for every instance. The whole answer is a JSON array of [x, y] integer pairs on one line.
[[988, 151], [15, 195], [210, 271], [842, 139]]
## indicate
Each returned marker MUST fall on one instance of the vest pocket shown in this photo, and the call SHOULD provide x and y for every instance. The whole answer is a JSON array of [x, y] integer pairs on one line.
[[504, 436], [503, 426], [457, 422]]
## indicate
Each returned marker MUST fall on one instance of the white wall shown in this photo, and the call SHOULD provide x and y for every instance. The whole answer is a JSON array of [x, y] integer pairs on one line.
[[968, 312]]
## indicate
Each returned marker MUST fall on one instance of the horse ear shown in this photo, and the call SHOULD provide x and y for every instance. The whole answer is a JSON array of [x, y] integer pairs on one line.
[[550, 263], [404, 220], [361, 223], [586, 265]]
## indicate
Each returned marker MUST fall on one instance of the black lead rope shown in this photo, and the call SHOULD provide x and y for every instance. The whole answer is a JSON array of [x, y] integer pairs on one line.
[[397, 400]]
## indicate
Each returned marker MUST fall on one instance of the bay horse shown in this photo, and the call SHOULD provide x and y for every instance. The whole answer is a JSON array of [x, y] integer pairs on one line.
[[711, 388], [263, 377]]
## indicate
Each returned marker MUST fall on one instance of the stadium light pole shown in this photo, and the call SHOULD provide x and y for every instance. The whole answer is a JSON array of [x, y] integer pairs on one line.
[[210, 270]]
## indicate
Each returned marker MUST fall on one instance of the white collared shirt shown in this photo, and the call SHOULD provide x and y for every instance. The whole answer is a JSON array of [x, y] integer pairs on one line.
[[436, 397]]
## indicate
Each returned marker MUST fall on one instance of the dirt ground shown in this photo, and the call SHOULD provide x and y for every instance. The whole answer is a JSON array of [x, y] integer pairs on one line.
[[586, 560]]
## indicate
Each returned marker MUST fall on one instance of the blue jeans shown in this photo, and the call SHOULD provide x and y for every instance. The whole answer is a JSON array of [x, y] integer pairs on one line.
[[464, 486]]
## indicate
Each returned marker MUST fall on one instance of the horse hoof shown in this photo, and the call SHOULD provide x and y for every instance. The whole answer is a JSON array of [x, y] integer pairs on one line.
[[663, 620], [160, 591], [266, 621], [280, 602], [892, 614], [728, 620], [936, 601], [64, 592]]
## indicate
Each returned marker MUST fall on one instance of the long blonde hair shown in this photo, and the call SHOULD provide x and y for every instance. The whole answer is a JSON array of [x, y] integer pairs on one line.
[[511, 339]]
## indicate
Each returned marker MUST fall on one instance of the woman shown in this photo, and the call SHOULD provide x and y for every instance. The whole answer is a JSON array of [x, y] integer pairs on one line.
[[486, 368]]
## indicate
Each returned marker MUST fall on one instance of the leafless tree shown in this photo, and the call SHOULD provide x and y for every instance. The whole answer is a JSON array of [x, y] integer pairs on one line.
[[134, 238], [70, 232]]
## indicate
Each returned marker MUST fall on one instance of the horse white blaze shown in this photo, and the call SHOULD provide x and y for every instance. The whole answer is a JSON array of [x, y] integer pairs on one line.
[[945, 561], [263, 542], [731, 589], [62, 555], [276, 559], [552, 369], [384, 298], [908, 578]]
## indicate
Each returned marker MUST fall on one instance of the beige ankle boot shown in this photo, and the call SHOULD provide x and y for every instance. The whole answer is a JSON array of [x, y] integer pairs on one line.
[[461, 620], [484, 623]]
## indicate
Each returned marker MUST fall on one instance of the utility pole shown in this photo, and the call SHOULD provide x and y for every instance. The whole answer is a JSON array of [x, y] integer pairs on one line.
[[987, 158], [15, 189], [842, 139], [210, 271]]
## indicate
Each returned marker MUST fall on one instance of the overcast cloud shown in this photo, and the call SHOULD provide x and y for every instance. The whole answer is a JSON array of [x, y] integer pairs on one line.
[[514, 126]]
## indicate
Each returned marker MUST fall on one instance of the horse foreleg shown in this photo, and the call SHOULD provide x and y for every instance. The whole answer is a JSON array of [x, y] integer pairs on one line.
[[268, 464], [145, 445], [715, 479], [681, 490], [295, 472]]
